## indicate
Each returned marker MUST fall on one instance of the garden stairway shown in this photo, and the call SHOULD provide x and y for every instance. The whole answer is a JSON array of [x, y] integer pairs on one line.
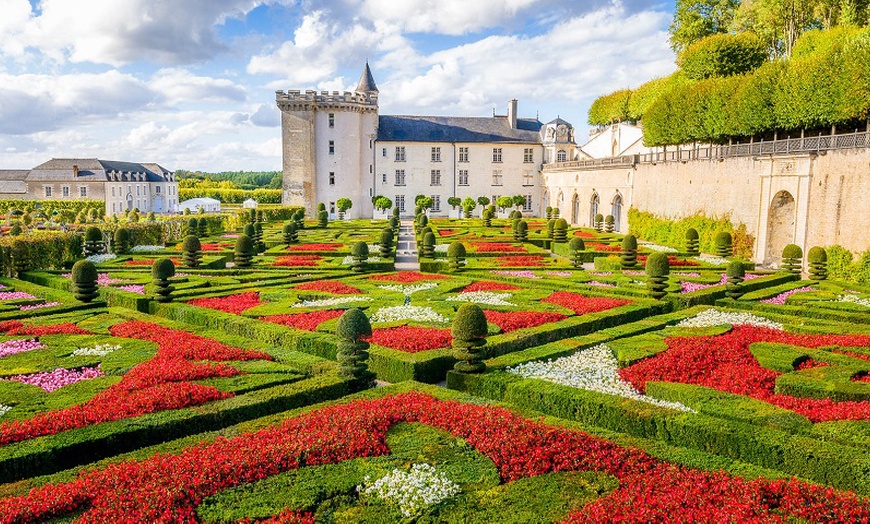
[[406, 248]]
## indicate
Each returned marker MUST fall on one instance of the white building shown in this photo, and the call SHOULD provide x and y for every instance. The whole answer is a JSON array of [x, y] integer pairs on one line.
[[249, 204], [209, 205], [337, 145]]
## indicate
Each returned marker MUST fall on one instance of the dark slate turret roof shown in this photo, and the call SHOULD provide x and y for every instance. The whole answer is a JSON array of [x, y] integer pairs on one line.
[[457, 129], [367, 82]]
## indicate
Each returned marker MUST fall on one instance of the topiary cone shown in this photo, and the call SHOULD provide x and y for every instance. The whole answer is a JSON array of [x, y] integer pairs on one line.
[[360, 254], [94, 244], [724, 244], [386, 244], [599, 222], [161, 271], [243, 253], [122, 241], [560, 231], [628, 256], [353, 326], [609, 223], [818, 260], [428, 250], [191, 251], [456, 256], [522, 231], [735, 274], [289, 233], [469, 338], [84, 281], [692, 242], [576, 247], [657, 269]]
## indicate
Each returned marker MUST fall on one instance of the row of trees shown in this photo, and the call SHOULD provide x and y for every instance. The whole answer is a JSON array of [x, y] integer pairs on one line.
[[248, 180], [468, 204]]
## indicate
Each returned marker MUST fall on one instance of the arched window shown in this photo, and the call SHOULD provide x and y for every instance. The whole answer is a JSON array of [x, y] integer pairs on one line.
[[561, 156], [575, 209], [593, 209], [616, 211]]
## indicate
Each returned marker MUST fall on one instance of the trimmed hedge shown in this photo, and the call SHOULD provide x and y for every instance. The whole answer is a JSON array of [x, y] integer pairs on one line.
[[673, 232]]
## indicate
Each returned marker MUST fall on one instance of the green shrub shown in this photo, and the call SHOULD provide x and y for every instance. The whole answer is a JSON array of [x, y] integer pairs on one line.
[[386, 243], [724, 244], [191, 251], [259, 245], [487, 218], [599, 222], [84, 281], [560, 231], [522, 231], [322, 218], [672, 232], [692, 242], [609, 223], [469, 338], [15, 230], [243, 253], [231, 196], [657, 269], [394, 224], [549, 212], [122, 241], [192, 226], [353, 326], [456, 256], [551, 224], [576, 247], [94, 244], [628, 257], [610, 108], [735, 273], [428, 250], [791, 258], [360, 254], [161, 271], [289, 233], [723, 55], [818, 261], [299, 219]]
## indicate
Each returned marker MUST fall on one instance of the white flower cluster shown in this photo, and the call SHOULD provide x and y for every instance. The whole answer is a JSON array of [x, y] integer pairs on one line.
[[146, 249], [348, 260], [413, 491], [412, 313], [593, 369], [715, 317], [712, 260], [441, 248], [656, 247], [329, 302], [410, 289], [100, 350], [4, 409], [482, 297], [855, 299], [99, 259]]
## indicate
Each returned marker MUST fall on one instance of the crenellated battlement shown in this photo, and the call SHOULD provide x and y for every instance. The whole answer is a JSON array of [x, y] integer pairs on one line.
[[296, 100]]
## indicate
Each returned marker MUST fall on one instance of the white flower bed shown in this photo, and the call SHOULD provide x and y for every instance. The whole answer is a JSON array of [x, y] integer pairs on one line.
[[348, 260], [410, 289], [4, 409], [412, 313], [714, 317], [441, 248], [855, 299], [146, 249], [329, 302], [413, 491], [656, 247], [712, 260], [99, 259], [593, 369], [483, 297], [100, 350]]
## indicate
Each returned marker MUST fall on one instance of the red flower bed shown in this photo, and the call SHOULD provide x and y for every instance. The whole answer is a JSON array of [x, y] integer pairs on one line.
[[411, 339], [515, 320], [447, 232], [724, 362], [673, 261], [497, 247], [584, 234], [16, 327], [862, 377], [150, 262], [235, 304], [297, 261], [485, 285], [315, 247], [287, 516], [166, 488], [810, 364], [407, 277], [581, 304], [597, 246], [305, 321], [161, 383], [215, 247], [520, 261], [329, 286]]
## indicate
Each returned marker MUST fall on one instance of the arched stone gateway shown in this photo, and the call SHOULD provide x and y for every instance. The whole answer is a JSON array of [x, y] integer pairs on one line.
[[616, 211], [593, 208], [575, 209], [780, 226]]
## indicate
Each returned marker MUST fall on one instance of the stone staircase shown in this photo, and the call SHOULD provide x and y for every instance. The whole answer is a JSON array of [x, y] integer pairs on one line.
[[406, 248]]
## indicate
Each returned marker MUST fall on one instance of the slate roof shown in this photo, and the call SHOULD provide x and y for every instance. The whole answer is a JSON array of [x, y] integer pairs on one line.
[[366, 81], [94, 170], [457, 129], [12, 181]]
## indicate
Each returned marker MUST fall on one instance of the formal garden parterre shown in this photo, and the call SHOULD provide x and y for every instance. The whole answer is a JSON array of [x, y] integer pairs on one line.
[[589, 380]]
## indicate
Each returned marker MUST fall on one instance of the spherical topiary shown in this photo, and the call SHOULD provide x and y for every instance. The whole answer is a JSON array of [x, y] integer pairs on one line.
[[322, 218], [560, 231], [628, 256], [289, 233], [735, 274], [353, 326], [469, 338], [522, 231], [122, 241], [243, 253], [202, 227], [791, 258], [818, 260], [360, 254], [599, 222], [84, 281], [191, 251], [94, 244], [386, 244], [576, 247], [549, 212], [428, 250], [609, 223], [724, 244], [657, 269], [161, 271], [456, 255], [692, 242]]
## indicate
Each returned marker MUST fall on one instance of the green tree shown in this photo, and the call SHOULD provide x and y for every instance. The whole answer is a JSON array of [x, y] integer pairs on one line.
[[343, 204], [697, 19]]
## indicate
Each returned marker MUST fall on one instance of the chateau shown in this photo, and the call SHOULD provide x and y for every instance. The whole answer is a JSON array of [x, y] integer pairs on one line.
[[337, 145], [123, 185]]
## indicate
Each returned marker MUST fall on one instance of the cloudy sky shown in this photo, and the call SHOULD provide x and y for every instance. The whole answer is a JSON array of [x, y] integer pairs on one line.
[[191, 83]]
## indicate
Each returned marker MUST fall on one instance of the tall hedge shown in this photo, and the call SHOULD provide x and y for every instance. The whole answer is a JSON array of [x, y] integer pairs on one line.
[[723, 55], [610, 108], [672, 232], [232, 196]]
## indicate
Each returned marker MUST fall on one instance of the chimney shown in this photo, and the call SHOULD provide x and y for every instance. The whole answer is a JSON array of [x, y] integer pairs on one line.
[[75, 170], [512, 113]]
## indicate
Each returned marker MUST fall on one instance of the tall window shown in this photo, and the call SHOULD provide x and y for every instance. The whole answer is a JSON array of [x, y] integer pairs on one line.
[[436, 154], [528, 155], [527, 206], [400, 153], [384, 152], [332, 147], [561, 156], [496, 154], [528, 179], [64, 191], [435, 177], [436, 203], [47, 191], [157, 189], [83, 191], [463, 177], [331, 119], [383, 178], [331, 178], [463, 154], [400, 177], [113, 190], [138, 189], [400, 203], [496, 177]]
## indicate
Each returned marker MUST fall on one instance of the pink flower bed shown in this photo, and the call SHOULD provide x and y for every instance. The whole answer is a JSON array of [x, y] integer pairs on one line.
[[782, 297], [133, 288], [11, 347], [15, 295], [515, 273], [53, 380], [39, 306]]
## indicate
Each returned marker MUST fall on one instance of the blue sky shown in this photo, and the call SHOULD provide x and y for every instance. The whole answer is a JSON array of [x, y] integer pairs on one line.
[[191, 84]]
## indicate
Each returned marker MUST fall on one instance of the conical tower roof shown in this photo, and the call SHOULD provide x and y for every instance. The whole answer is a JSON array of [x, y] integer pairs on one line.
[[367, 81]]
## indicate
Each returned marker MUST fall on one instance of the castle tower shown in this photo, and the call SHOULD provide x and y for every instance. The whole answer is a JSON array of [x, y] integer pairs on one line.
[[328, 146]]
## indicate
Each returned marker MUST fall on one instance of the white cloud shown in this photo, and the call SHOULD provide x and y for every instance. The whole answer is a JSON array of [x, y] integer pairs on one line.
[[179, 85], [448, 17]]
